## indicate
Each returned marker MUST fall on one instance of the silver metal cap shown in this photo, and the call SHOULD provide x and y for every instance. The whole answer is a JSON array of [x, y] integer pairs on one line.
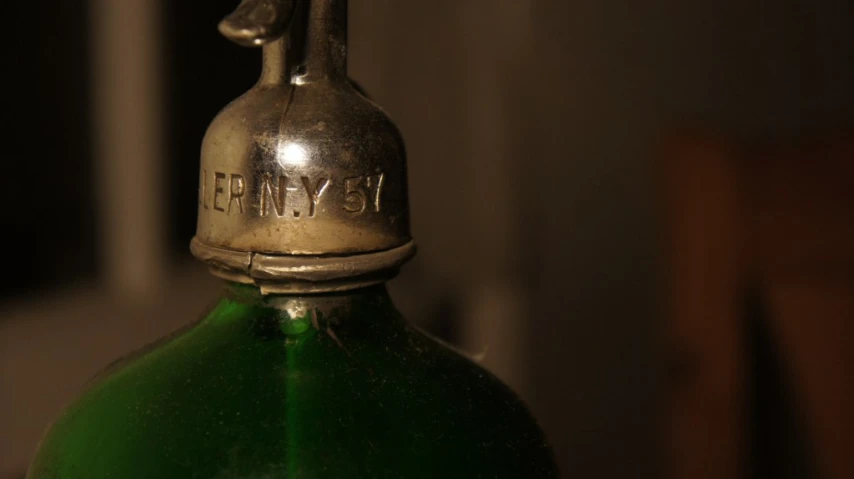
[[303, 179]]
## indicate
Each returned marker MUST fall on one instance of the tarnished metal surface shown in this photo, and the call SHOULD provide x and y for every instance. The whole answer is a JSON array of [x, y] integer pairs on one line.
[[302, 166], [294, 273]]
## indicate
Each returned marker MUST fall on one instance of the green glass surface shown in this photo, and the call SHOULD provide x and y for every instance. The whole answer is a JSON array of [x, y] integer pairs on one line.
[[316, 386]]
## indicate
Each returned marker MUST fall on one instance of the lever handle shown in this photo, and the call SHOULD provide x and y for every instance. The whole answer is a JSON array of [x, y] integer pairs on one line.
[[257, 22]]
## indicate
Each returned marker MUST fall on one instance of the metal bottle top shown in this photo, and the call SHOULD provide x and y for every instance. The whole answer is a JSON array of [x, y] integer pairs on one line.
[[303, 179]]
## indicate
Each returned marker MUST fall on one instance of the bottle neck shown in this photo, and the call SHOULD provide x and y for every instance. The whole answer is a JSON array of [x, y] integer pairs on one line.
[[342, 316], [315, 48], [332, 306]]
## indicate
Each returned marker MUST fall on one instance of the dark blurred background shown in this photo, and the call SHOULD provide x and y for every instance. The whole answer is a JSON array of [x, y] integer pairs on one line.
[[643, 212]]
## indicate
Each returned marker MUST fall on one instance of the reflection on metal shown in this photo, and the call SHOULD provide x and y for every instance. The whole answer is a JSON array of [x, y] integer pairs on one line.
[[302, 167], [291, 154]]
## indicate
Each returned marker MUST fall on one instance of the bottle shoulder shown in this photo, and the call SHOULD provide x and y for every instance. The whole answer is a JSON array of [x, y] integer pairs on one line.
[[235, 393]]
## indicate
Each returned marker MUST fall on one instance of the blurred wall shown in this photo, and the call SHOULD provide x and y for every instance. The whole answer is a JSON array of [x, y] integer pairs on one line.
[[575, 96]]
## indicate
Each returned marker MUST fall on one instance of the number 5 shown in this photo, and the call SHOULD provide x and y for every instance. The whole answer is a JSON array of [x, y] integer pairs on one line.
[[354, 195]]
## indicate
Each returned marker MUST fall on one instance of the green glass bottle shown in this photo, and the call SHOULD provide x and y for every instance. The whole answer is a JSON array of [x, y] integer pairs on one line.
[[304, 368]]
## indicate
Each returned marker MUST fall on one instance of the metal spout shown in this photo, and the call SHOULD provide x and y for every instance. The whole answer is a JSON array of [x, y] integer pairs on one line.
[[302, 179]]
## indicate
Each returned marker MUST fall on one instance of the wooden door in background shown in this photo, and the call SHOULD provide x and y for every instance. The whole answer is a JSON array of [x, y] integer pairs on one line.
[[775, 223]]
